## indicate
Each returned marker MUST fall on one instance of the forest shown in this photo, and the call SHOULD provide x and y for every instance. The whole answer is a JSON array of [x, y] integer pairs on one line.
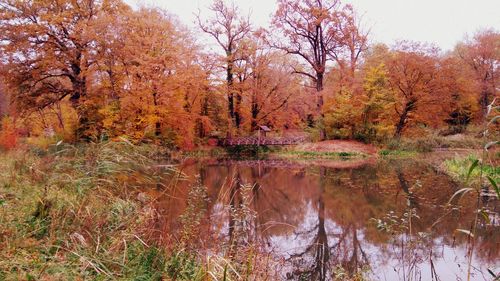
[[115, 163], [99, 69]]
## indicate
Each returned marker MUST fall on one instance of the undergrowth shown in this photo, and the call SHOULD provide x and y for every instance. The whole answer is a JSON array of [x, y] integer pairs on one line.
[[318, 154], [459, 167], [84, 213]]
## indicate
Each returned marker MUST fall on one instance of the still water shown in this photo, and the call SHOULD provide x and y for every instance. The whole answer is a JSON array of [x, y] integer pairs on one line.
[[384, 219]]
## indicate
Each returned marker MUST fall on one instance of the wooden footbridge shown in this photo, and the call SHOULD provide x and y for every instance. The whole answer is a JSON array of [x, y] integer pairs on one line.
[[253, 140]]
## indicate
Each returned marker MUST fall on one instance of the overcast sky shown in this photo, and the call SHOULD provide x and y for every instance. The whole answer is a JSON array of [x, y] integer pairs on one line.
[[443, 22]]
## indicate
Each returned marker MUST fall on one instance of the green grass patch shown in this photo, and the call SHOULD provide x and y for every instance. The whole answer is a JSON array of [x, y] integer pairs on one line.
[[397, 153], [318, 155], [459, 169], [212, 152]]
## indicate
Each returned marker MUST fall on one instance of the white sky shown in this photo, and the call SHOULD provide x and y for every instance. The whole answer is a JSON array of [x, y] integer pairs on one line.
[[443, 22]]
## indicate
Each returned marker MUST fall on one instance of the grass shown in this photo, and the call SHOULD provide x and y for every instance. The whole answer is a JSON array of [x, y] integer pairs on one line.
[[266, 151], [458, 168], [67, 212], [83, 212], [410, 147], [397, 153], [433, 140], [200, 153], [253, 151], [317, 154]]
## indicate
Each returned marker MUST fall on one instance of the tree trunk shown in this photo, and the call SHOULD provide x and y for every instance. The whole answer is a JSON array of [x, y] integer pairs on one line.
[[203, 112], [255, 113], [237, 112], [319, 105], [484, 101], [86, 114], [322, 249], [403, 118], [83, 131], [157, 123], [401, 124], [230, 82], [59, 114]]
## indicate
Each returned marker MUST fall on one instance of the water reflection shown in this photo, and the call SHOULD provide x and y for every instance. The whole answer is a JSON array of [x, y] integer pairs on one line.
[[320, 220]]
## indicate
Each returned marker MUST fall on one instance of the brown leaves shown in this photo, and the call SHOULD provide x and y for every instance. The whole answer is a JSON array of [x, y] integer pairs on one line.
[[142, 73]]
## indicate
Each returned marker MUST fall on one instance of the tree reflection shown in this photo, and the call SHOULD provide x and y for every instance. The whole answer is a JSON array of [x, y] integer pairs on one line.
[[318, 247], [345, 251], [234, 199], [405, 186], [319, 218]]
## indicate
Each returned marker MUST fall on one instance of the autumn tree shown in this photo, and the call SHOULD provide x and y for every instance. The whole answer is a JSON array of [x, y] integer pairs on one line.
[[359, 104], [4, 102], [376, 55], [312, 31], [377, 103], [124, 72], [460, 88], [113, 45], [367, 115], [154, 83], [342, 115], [272, 90], [482, 55], [228, 28], [265, 84], [49, 47], [412, 72], [153, 50], [354, 44]]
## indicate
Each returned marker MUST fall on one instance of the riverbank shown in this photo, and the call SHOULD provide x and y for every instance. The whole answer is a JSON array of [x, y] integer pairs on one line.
[[89, 212], [93, 210], [337, 150]]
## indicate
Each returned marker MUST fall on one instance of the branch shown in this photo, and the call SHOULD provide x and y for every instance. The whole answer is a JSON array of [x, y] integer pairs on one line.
[[275, 109], [295, 71]]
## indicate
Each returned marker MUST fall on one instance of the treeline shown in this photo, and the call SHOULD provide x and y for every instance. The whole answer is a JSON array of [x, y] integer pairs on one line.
[[93, 69]]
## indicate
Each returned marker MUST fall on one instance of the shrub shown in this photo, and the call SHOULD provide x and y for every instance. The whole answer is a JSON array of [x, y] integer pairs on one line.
[[8, 134], [247, 150], [313, 133], [41, 142]]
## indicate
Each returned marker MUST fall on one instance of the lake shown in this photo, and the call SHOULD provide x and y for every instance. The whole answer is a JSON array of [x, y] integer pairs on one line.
[[382, 219]]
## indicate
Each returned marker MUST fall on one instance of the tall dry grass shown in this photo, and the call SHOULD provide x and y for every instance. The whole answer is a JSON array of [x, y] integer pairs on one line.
[[84, 213]]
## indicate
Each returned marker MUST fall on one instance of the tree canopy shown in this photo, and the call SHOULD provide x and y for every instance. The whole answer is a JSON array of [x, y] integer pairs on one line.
[[89, 69]]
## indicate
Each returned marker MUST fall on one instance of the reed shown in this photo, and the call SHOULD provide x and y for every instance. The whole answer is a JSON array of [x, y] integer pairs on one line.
[[70, 212]]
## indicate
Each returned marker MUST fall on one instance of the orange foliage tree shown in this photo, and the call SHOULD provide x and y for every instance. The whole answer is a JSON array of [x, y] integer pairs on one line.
[[267, 89], [50, 50], [412, 71], [461, 105], [98, 68], [124, 72], [482, 55], [154, 84], [316, 32], [229, 29]]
